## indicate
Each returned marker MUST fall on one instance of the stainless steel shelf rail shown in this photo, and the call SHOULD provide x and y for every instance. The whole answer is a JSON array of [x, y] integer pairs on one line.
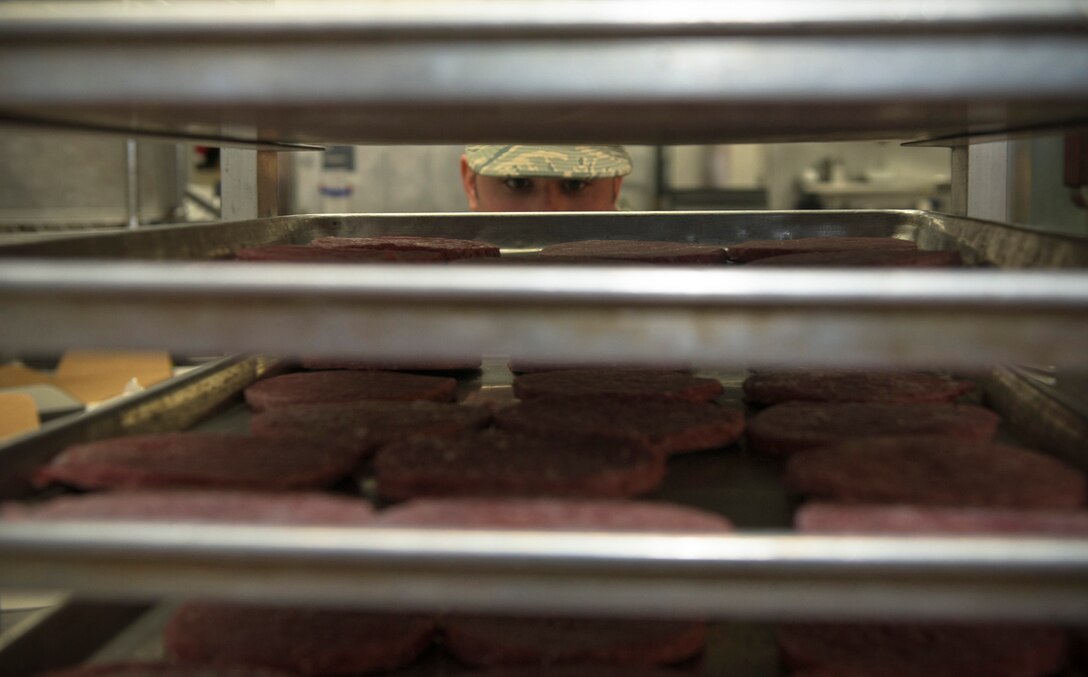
[[959, 318], [432, 71], [753, 576]]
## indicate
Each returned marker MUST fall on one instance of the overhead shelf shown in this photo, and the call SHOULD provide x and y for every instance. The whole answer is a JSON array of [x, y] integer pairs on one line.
[[631, 72]]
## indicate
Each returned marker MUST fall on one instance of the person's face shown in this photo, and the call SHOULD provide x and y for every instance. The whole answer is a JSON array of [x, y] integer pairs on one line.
[[495, 194]]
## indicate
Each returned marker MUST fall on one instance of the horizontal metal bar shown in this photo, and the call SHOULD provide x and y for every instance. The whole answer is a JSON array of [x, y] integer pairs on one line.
[[724, 317], [165, 135], [637, 284], [743, 575], [473, 18]]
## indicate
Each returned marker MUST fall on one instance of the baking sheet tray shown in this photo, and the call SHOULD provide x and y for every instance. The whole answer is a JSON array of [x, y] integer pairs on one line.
[[763, 572], [724, 315], [746, 650]]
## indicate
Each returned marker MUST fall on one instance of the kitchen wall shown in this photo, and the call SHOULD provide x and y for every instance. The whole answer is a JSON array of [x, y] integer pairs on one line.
[[425, 178]]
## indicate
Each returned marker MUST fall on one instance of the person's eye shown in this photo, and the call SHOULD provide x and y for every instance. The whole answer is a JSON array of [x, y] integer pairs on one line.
[[518, 184], [573, 185]]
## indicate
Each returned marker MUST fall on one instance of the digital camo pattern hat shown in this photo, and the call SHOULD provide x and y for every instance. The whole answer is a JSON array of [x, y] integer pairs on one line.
[[553, 162]]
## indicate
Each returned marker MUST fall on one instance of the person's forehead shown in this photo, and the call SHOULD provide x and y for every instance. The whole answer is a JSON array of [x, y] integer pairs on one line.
[[549, 162]]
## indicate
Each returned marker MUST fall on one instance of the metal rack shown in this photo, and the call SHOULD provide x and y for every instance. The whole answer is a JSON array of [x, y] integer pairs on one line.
[[263, 77]]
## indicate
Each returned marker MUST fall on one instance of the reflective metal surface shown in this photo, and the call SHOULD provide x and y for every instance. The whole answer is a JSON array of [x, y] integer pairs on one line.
[[442, 72], [1045, 415], [747, 576], [724, 315], [172, 405]]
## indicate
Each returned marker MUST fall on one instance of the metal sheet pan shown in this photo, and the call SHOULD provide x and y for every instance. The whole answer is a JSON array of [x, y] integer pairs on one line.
[[763, 572], [731, 649], [725, 315]]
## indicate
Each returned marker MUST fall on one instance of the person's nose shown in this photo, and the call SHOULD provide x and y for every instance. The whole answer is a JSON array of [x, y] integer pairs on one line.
[[555, 200]]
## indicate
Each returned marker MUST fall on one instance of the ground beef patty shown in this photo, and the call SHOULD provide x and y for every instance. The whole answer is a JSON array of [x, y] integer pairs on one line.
[[580, 671], [303, 641], [866, 259], [909, 519], [761, 249], [935, 471], [623, 384], [500, 640], [346, 386], [668, 426], [324, 363], [795, 426], [381, 422], [494, 463], [772, 387], [448, 248], [208, 460], [159, 669], [519, 366], [644, 251], [248, 507], [940, 650], [300, 253], [550, 513]]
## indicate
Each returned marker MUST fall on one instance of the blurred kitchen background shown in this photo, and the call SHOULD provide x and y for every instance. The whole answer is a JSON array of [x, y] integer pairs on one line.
[[51, 182]]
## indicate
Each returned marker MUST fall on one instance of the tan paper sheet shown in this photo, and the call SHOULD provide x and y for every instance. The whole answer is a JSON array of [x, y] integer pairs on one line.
[[96, 375], [16, 375], [18, 414]]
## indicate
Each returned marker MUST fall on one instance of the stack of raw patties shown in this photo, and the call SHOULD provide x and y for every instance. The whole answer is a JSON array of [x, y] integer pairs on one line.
[[568, 456], [895, 453]]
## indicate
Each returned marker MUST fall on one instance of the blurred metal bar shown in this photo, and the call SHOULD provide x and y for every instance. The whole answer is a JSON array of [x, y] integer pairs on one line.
[[472, 19], [250, 184], [737, 576], [964, 318], [132, 182], [490, 71]]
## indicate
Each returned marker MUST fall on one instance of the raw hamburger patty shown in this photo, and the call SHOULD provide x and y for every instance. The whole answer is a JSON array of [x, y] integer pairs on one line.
[[198, 506], [161, 670], [761, 249], [202, 460], [544, 513], [494, 463], [346, 386], [637, 250], [518, 366], [625, 384], [378, 421], [943, 650], [796, 426], [305, 641], [299, 253], [908, 519], [321, 363], [668, 426], [772, 387], [447, 248], [489, 641], [866, 259], [579, 671], [935, 471]]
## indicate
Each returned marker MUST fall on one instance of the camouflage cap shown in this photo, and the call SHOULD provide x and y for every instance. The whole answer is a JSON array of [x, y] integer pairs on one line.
[[554, 162]]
